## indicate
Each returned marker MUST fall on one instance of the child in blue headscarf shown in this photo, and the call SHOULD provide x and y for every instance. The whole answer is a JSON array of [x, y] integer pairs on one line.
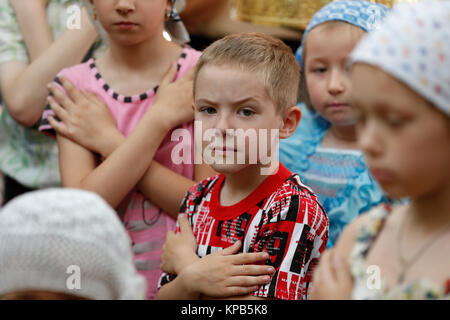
[[323, 149]]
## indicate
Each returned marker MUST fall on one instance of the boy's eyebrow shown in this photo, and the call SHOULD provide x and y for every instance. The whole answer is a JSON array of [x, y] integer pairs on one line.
[[237, 102], [204, 100], [252, 98]]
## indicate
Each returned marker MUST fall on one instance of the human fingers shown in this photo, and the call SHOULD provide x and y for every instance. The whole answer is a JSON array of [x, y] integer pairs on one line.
[[329, 266], [236, 291], [59, 111], [165, 259], [188, 75], [234, 248], [249, 281], [71, 90], [169, 235], [59, 127], [319, 286], [342, 269], [250, 257], [252, 270], [185, 226], [92, 97], [60, 97]]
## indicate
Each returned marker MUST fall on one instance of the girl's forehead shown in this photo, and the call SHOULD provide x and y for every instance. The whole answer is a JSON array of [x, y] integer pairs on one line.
[[332, 39], [368, 81], [334, 29]]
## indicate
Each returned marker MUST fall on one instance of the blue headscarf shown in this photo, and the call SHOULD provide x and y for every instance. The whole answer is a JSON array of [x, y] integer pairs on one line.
[[363, 14]]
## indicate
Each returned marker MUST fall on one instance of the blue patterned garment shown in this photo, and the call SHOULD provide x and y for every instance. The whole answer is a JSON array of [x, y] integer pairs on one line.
[[363, 14], [339, 177]]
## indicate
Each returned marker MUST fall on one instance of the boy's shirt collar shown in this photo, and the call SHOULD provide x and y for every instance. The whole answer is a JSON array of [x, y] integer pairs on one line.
[[265, 189]]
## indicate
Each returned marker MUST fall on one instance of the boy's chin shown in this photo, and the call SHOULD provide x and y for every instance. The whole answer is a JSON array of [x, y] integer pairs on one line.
[[229, 168]]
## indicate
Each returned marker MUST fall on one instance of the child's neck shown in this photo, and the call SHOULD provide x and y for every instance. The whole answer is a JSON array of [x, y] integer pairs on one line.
[[132, 70], [237, 186], [431, 211], [141, 56], [340, 137]]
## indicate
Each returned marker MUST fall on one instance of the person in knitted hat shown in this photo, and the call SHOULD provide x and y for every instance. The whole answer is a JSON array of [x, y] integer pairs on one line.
[[323, 149], [65, 244], [401, 89]]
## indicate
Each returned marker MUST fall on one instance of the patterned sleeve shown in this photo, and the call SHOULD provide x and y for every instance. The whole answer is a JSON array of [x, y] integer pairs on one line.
[[294, 231], [12, 44]]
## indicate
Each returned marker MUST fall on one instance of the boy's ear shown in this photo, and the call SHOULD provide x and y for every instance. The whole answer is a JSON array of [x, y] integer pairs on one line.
[[291, 119]]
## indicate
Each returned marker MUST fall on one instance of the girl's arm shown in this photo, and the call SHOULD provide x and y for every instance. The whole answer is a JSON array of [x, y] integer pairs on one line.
[[126, 165], [24, 85], [32, 20], [88, 122], [159, 179], [120, 172]]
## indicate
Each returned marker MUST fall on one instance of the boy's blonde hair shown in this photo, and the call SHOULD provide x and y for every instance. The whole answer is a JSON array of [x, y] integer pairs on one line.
[[257, 52]]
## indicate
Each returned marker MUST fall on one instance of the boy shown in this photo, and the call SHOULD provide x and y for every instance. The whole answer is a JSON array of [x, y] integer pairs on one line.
[[248, 82]]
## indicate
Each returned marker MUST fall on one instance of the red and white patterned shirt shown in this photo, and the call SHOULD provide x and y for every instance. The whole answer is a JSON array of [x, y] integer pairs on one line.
[[281, 217]]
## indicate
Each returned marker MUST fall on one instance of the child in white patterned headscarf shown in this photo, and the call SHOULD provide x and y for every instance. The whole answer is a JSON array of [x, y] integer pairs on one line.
[[65, 244], [401, 87]]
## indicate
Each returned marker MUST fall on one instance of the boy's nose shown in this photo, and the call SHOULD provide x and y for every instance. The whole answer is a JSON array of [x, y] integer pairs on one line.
[[223, 123], [336, 82], [125, 6]]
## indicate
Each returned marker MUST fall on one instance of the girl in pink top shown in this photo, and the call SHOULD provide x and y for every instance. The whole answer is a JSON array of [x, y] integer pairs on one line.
[[123, 152]]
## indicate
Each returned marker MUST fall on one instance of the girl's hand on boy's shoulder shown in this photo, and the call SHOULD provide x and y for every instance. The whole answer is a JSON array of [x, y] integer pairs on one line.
[[85, 119], [173, 101], [331, 279]]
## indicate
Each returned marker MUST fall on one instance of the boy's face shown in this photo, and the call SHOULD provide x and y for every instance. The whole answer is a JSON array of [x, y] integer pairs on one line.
[[404, 138], [327, 79], [239, 119]]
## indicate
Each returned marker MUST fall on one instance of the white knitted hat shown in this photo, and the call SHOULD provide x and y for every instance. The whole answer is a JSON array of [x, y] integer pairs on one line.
[[68, 241]]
